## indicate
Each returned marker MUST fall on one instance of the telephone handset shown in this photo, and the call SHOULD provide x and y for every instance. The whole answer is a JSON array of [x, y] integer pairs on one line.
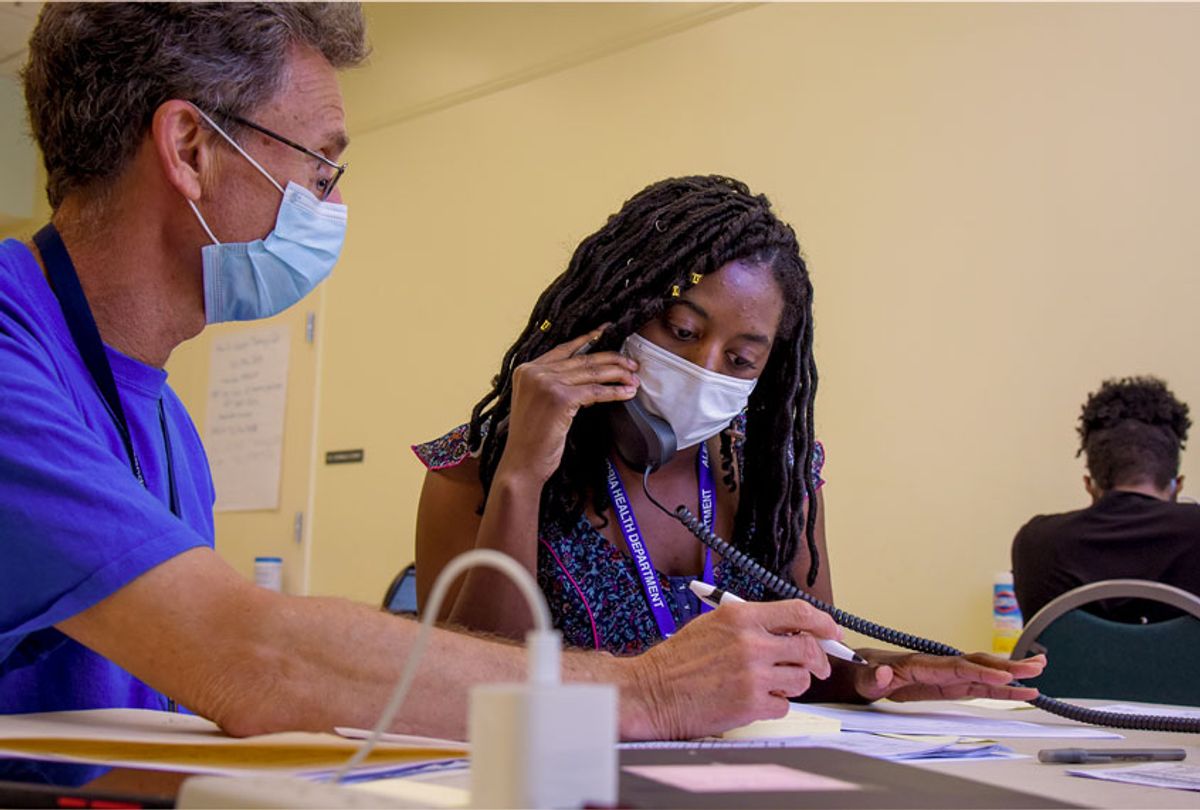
[[646, 442]]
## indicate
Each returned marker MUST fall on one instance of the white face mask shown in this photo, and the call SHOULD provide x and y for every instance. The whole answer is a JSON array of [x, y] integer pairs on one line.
[[696, 402]]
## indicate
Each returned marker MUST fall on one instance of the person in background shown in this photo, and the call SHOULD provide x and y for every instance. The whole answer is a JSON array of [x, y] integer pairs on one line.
[[1132, 431], [192, 153], [693, 298]]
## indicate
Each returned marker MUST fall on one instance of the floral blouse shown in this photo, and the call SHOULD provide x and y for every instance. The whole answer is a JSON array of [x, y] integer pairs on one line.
[[592, 587]]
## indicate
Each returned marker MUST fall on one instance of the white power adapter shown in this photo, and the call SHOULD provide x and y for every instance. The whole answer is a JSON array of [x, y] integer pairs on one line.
[[543, 743]]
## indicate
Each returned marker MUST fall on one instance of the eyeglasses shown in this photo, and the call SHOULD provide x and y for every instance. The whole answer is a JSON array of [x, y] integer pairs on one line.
[[338, 168]]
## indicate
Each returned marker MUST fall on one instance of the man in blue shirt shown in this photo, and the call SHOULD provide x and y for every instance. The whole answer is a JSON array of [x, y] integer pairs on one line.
[[192, 162]]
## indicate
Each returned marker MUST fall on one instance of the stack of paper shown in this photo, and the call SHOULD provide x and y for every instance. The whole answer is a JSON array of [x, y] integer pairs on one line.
[[1177, 775], [879, 720], [796, 723], [876, 731], [179, 742], [896, 749]]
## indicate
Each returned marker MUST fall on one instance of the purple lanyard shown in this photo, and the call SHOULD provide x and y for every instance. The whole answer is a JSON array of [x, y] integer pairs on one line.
[[640, 555]]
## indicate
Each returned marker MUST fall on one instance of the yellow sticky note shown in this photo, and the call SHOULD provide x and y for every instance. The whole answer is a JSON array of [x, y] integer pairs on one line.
[[796, 723]]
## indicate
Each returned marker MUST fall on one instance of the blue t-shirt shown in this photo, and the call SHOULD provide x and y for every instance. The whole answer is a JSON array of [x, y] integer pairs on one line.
[[75, 524]]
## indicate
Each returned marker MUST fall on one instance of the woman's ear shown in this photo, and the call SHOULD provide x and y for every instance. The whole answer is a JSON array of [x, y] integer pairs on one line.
[[183, 146]]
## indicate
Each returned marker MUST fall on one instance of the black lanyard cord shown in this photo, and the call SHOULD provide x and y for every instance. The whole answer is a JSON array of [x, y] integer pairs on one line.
[[64, 281]]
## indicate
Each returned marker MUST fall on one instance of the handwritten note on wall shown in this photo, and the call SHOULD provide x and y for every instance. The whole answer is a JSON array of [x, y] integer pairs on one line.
[[247, 389]]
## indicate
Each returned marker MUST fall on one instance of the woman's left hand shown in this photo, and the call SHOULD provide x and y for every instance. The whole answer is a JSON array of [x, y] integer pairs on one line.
[[916, 676]]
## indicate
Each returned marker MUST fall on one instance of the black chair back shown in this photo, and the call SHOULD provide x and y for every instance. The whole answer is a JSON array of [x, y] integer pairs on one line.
[[401, 596], [1093, 657]]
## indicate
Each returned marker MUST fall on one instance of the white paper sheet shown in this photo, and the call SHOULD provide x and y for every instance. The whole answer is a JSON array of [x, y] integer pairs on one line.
[[1174, 775], [1145, 711], [998, 705], [243, 434], [871, 745], [351, 733], [881, 721]]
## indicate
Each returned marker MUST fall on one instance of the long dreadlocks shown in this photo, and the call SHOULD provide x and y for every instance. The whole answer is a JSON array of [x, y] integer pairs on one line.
[[664, 238]]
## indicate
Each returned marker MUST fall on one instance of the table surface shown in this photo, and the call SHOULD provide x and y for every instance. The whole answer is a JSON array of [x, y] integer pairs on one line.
[[1052, 781], [1030, 776]]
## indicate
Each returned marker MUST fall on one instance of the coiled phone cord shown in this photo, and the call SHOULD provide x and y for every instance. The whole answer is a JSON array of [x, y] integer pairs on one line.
[[860, 625]]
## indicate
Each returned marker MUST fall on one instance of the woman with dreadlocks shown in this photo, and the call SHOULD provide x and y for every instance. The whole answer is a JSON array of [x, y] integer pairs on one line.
[[696, 270], [693, 298]]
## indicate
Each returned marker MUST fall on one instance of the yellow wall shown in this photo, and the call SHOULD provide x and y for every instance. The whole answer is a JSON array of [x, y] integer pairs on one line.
[[244, 535], [17, 163], [23, 229], [998, 204]]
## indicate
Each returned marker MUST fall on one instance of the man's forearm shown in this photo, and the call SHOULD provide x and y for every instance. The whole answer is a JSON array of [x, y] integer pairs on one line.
[[345, 659], [256, 661]]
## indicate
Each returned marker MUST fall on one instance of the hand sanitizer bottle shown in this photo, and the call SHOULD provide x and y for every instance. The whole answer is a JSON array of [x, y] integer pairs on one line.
[[1006, 614]]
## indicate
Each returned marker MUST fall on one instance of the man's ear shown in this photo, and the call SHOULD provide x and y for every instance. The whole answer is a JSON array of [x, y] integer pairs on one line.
[[1092, 489], [183, 146], [1178, 488]]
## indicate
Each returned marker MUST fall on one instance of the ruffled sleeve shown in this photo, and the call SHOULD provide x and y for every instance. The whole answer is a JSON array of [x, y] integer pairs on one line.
[[445, 451], [818, 465]]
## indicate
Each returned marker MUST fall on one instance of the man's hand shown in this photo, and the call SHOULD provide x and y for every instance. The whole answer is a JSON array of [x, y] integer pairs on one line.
[[915, 676], [725, 669]]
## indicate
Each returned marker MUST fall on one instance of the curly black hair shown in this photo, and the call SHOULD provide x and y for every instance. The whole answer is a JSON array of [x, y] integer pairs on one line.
[[1132, 430], [665, 237]]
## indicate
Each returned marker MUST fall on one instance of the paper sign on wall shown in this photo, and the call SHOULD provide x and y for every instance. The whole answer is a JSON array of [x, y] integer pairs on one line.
[[247, 389]]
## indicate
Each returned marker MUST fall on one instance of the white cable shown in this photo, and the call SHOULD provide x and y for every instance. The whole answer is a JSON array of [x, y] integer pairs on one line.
[[503, 563]]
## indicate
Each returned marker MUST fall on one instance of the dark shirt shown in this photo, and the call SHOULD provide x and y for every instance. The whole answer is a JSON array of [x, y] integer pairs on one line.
[[1124, 535]]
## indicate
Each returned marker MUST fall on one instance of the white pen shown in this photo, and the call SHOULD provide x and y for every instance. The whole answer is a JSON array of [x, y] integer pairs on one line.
[[713, 596]]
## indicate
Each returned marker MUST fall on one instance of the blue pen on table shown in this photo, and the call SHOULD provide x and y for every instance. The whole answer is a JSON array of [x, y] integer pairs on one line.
[[1087, 756], [714, 596]]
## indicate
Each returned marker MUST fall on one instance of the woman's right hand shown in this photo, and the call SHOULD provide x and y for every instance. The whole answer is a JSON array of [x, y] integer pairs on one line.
[[549, 391]]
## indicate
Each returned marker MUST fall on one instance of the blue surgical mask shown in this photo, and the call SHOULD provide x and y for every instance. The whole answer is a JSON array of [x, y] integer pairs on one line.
[[245, 281]]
